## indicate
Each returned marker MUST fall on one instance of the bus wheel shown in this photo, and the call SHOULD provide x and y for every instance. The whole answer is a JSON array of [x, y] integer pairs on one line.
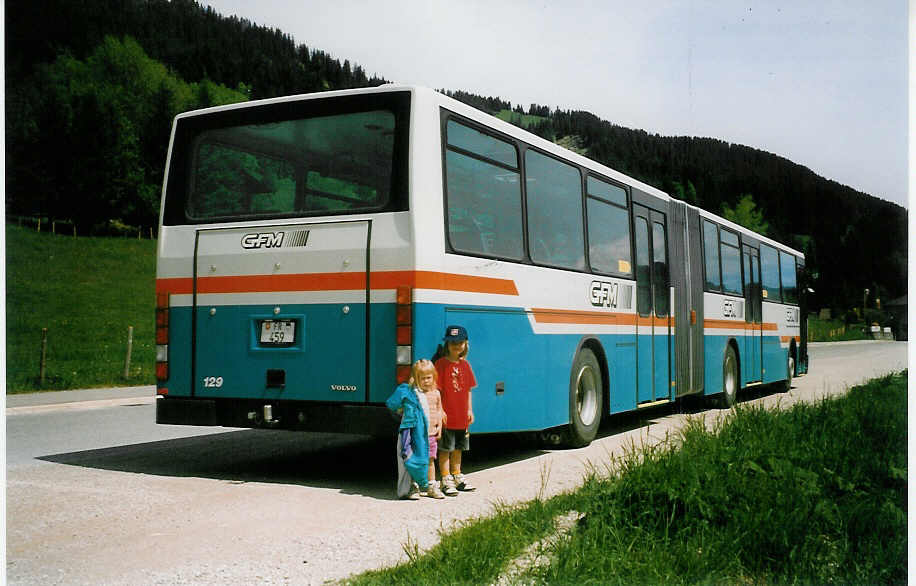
[[790, 372], [585, 393], [729, 379]]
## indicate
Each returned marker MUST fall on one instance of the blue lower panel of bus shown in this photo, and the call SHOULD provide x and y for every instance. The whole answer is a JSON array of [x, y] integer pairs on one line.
[[319, 354], [521, 384], [523, 378], [228, 353], [773, 361]]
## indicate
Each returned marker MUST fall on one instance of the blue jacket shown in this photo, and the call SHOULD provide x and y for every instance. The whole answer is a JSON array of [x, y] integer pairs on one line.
[[414, 419]]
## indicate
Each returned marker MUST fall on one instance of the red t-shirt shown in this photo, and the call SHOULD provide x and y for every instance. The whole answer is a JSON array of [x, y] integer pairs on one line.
[[456, 379]]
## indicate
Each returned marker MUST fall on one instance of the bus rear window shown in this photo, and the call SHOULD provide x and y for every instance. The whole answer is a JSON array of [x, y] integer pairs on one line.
[[315, 165], [290, 158]]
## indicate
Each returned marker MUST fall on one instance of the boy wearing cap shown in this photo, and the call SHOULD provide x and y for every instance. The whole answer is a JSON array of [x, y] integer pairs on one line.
[[456, 379]]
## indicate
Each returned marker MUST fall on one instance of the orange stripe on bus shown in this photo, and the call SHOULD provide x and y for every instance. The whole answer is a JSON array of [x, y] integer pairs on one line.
[[337, 282], [268, 283], [654, 321], [724, 324], [175, 286], [443, 281], [566, 316]]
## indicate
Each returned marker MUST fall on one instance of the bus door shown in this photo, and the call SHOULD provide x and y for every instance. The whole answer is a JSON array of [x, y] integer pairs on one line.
[[280, 312], [653, 340], [752, 357], [685, 260]]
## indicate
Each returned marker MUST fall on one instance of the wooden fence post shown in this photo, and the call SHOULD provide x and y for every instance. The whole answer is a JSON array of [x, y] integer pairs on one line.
[[44, 356], [130, 343]]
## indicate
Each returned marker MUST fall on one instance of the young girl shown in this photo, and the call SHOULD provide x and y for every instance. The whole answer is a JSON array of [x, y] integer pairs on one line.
[[456, 379], [423, 375], [413, 440]]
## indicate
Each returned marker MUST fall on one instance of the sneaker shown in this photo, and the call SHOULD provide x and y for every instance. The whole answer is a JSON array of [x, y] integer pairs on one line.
[[448, 486], [462, 484], [414, 494], [434, 492]]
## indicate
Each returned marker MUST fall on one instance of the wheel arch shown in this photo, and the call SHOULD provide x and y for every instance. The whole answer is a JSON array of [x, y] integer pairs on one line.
[[793, 354], [597, 348], [733, 344], [722, 398]]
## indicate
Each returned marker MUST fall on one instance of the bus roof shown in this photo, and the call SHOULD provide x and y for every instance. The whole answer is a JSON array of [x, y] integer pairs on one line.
[[497, 124], [386, 88]]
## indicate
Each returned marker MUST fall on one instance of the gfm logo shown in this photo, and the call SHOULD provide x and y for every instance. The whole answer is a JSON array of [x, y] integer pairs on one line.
[[604, 294], [262, 240], [275, 239]]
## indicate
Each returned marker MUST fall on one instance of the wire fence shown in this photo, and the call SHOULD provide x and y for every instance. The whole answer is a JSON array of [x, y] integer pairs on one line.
[[67, 227]]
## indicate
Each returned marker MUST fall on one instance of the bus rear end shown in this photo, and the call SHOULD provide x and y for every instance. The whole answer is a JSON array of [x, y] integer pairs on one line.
[[264, 297]]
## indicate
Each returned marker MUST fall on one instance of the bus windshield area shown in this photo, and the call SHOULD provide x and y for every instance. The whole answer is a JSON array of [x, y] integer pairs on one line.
[[318, 165]]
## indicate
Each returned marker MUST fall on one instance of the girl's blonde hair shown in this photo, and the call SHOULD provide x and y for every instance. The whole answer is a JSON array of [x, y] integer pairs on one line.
[[421, 367]]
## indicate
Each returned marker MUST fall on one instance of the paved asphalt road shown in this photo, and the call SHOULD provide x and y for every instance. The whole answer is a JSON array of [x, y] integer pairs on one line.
[[97, 493]]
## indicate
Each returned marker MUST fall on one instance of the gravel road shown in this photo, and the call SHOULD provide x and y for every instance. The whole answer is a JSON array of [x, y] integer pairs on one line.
[[176, 505]]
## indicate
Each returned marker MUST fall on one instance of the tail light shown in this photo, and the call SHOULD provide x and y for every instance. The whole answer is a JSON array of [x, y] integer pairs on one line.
[[162, 342], [404, 329]]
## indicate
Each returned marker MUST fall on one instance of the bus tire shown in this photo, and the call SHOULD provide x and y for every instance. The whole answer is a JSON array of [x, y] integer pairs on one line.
[[790, 371], [586, 389], [730, 384]]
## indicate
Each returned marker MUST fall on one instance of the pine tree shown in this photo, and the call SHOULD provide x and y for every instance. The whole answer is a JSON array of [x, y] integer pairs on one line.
[[746, 214]]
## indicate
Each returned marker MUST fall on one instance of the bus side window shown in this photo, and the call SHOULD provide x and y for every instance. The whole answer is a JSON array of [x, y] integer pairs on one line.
[[711, 255], [660, 268], [608, 228], [555, 230], [643, 268], [483, 194], [731, 263], [769, 267], [787, 271]]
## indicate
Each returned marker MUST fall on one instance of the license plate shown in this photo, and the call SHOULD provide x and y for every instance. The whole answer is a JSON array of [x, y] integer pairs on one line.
[[278, 331]]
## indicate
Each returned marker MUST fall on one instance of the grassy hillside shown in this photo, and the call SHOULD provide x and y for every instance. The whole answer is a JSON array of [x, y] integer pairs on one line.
[[523, 120], [86, 291]]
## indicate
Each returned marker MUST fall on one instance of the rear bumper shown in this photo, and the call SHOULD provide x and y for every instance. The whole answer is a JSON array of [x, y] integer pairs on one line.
[[293, 415]]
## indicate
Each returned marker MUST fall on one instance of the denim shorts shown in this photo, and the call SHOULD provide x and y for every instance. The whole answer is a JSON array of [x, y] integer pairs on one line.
[[455, 439]]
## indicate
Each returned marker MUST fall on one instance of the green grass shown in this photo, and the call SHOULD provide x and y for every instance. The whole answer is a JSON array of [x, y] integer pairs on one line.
[[480, 548], [834, 330], [520, 120], [86, 292], [815, 494]]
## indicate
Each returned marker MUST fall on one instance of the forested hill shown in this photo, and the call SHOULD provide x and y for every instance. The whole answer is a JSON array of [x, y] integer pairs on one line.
[[92, 87], [191, 39]]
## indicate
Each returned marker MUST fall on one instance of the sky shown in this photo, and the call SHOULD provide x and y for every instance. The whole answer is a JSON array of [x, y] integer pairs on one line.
[[821, 83]]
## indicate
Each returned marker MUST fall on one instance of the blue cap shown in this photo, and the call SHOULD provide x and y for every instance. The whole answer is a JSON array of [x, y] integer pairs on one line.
[[455, 334]]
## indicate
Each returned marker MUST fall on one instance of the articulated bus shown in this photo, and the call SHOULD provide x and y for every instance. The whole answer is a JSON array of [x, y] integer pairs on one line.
[[311, 247]]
